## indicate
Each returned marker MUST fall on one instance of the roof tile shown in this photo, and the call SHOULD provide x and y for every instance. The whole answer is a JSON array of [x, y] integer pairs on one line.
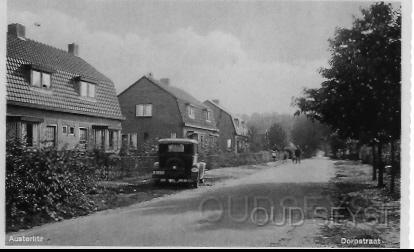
[[67, 67]]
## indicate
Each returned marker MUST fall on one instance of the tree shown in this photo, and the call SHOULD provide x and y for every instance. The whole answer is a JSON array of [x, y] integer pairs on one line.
[[361, 96], [309, 135], [277, 137]]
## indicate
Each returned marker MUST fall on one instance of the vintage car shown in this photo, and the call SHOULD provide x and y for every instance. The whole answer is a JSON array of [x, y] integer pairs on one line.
[[178, 162]]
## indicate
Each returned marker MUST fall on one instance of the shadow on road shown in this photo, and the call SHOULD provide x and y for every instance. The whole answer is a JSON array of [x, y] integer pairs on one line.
[[248, 206]]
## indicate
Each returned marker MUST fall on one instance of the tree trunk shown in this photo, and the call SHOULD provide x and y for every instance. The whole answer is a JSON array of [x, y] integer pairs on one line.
[[380, 167], [393, 167], [374, 163]]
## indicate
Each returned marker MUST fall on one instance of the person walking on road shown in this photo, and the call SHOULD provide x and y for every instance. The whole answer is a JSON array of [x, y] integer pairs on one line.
[[298, 153]]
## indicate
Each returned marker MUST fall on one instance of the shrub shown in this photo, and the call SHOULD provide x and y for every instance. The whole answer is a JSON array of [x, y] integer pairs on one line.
[[45, 184]]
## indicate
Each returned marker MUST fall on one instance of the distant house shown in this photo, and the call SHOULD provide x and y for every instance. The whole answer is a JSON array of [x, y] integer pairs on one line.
[[55, 98], [154, 109], [233, 130]]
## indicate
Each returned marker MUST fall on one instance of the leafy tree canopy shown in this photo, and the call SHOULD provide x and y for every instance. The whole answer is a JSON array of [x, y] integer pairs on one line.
[[361, 96]]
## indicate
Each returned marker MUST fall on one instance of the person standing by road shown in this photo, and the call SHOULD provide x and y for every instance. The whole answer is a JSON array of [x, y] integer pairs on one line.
[[274, 156], [298, 153]]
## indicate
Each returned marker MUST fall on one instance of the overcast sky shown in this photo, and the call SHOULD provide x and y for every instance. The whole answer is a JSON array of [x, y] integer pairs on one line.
[[252, 55]]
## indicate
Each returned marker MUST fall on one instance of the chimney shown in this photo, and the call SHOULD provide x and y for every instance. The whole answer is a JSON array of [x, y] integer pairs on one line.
[[216, 101], [165, 81], [73, 49], [17, 30]]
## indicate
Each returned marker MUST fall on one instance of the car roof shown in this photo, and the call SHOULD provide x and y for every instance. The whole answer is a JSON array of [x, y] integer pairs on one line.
[[177, 140]]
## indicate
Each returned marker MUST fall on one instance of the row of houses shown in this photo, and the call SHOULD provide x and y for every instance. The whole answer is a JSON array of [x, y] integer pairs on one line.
[[55, 98]]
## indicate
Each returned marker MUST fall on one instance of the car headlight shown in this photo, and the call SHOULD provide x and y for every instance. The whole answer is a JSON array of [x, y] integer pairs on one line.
[[194, 169]]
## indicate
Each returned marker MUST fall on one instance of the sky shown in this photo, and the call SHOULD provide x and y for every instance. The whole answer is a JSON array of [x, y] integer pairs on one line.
[[253, 56]]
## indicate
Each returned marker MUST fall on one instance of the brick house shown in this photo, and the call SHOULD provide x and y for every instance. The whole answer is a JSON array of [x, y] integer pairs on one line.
[[233, 130], [56, 98], [154, 109]]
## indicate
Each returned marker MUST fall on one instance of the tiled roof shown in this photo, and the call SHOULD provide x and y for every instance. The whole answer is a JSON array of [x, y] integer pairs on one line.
[[242, 131], [183, 99], [63, 95]]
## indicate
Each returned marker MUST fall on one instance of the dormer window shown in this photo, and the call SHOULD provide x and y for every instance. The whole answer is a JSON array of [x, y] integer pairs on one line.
[[40, 79], [190, 111], [86, 86], [87, 89]]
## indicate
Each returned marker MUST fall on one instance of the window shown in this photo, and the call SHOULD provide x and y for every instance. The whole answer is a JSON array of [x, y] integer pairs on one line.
[[91, 90], [65, 130], [133, 140], [113, 139], [50, 136], [71, 130], [144, 110], [83, 89], [36, 78], [146, 136], [87, 89], [46, 80], [40, 79], [83, 137], [30, 133], [173, 135], [190, 111], [207, 115], [228, 143], [100, 138], [202, 140]]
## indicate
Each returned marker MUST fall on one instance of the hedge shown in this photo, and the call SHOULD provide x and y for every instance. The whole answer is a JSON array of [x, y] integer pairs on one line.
[[45, 185]]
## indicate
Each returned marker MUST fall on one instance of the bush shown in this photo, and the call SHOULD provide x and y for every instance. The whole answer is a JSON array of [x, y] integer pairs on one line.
[[43, 185]]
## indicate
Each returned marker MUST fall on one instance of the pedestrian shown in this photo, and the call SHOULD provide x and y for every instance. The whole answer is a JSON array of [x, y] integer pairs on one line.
[[298, 154], [274, 156]]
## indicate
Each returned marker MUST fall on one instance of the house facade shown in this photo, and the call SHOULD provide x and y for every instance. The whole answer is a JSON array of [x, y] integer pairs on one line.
[[55, 98], [233, 130], [154, 109]]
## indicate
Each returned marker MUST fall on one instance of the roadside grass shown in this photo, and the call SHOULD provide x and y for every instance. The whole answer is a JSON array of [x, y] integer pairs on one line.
[[366, 211]]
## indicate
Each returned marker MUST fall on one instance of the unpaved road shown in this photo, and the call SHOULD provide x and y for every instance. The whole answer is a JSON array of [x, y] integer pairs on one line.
[[240, 211]]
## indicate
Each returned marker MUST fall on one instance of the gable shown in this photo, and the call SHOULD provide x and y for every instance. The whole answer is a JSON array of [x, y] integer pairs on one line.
[[182, 98]]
